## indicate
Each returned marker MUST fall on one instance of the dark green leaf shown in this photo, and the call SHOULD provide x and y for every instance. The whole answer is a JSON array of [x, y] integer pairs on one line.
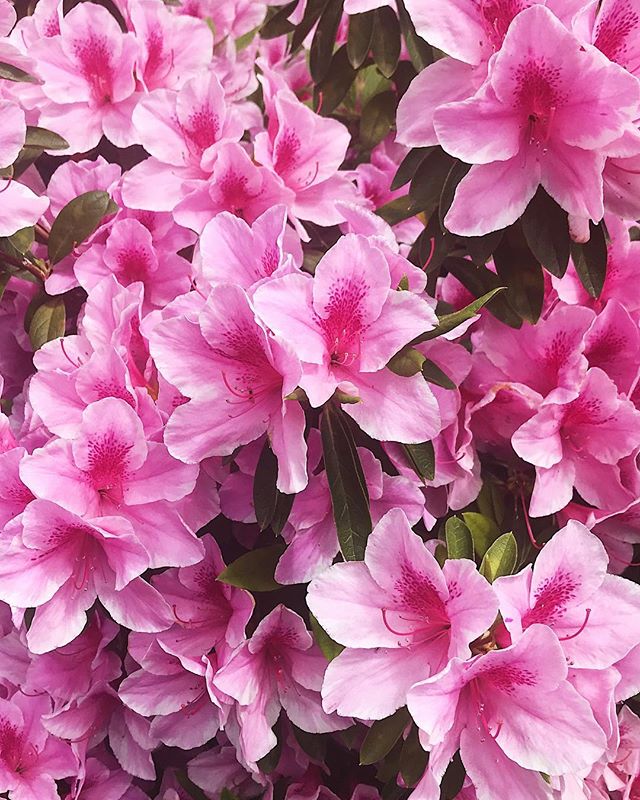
[[501, 558], [481, 281], [409, 166], [546, 229], [312, 12], [332, 90], [440, 554], [277, 22], [11, 73], [456, 174], [77, 221], [453, 779], [484, 531], [422, 459], [419, 51], [284, 504], [226, 794], [590, 260], [265, 494], [426, 186], [269, 762], [413, 759], [378, 117], [5, 277], [48, 322], [519, 270], [385, 45], [382, 736], [44, 139], [407, 362], [431, 372], [451, 321], [397, 210], [360, 36], [324, 40], [481, 248], [313, 744], [254, 570], [26, 157], [194, 792], [349, 495], [458, 537], [330, 649]]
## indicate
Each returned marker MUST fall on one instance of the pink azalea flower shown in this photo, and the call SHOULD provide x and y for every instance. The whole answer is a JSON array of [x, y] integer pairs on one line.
[[88, 79], [31, 759], [512, 713], [306, 151], [110, 468], [539, 119], [314, 544], [279, 667], [569, 590], [223, 359], [236, 185], [14, 495], [14, 128], [7, 17], [67, 562], [207, 613], [577, 439], [345, 324], [163, 61], [400, 617], [270, 249], [130, 255], [182, 131]]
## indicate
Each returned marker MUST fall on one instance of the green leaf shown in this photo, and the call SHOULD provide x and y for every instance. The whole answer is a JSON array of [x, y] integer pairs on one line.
[[481, 281], [450, 322], [413, 759], [481, 248], [332, 90], [360, 36], [5, 277], [432, 373], [378, 117], [397, 210], [484, 531], [269, 762], [407, 362], [48, 322], [254, 570], [385, 44], [44, 139], [329, 648], [590, 260], [284, 504], [501, 558], [419, 51], [11, 73], [409, 166], [324, 40], [457, 172], [428, 181], [77, 221], [453, 778], [458, 537], [277, 22], [265, 494], [519, 270], [546, 229], [440, 554], [226, 794], [422, 459], [313, 744], [382, 736], [312, 12], [349, 495]]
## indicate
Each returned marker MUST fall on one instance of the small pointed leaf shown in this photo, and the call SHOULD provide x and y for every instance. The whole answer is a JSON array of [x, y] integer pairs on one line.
[[501, 558], [254, 570], [458, 537], [48, 322], [382, 736], [77, 221]]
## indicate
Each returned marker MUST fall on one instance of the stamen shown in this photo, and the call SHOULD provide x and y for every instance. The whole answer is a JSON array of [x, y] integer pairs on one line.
[[432, 243], [579, 631], [532, 538]]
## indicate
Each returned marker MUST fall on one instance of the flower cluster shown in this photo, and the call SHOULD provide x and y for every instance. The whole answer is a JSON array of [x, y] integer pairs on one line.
[[287, 509]]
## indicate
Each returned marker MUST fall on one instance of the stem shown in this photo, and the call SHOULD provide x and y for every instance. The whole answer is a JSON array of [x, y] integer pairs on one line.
[[13, 262]]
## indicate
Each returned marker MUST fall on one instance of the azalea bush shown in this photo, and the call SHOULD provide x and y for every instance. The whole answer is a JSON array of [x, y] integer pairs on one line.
[[320, 422]]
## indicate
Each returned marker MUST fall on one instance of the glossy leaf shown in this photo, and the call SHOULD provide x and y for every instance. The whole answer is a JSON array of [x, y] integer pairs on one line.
[[407, 362], [590, 260], [428, 181], [458, 538], [501, 558], [265, 494], [386, 43], [44, 139], [397, 210], [324, 40], [378, 117], [349, 494], [48, 322], [330, 649], [332, 90], [409, 165], [546, 229], [254, 570], [483, 529], [312, 11], [419, 51], [359, 38], [519, 270], [277, 22], [10, 73], [413, 758], [450, 322], [382, 736], [480, 281], [77, 221], [432, 373], [422, 459]]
